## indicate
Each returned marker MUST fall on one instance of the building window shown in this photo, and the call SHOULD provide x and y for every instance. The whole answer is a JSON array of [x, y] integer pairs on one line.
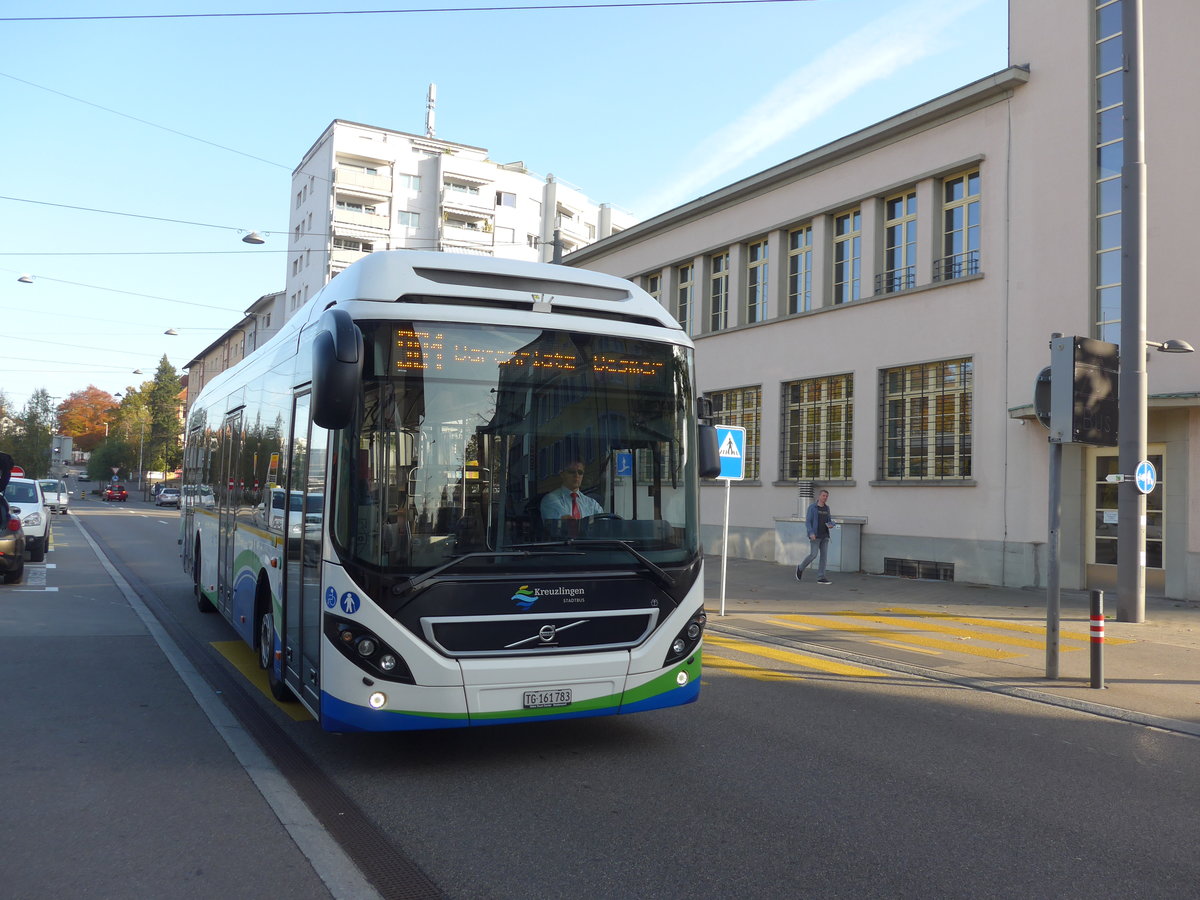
[[506, 198], [654, 285], [718, 292], [899, 244], [960, 228], [756, 281], [411, 219], [684, 295], [800, 269], [356, 207], [925, 421], [472, 189], [847, 256], [818, 425], [742, 407], [412, 182], [341, 243], [1109, 158]]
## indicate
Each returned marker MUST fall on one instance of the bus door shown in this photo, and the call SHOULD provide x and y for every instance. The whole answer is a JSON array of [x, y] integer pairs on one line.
[[304, 527], [229, 467]]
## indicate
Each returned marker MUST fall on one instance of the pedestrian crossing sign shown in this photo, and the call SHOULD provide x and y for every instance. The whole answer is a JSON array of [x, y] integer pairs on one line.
[[731, 444]]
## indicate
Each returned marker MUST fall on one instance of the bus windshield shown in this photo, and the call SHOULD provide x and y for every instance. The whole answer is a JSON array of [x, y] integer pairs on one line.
[[478, 442]]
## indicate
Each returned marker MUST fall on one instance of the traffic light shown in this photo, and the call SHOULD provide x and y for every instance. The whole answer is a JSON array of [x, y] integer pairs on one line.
[[1083, 391]]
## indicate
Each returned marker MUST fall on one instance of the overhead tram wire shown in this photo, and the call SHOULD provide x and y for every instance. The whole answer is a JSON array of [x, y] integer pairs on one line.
[[392, 12]]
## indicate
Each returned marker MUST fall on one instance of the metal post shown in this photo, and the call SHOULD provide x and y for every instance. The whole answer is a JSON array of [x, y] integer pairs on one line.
[[725, 543], [1131, 405], [1053, 593], [1097, 636]]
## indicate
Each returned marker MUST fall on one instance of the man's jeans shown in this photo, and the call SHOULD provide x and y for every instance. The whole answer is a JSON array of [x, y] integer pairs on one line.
[[819, 547]]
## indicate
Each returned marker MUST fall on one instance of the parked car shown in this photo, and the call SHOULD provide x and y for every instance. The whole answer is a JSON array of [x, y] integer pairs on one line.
[[27, 503], [115, 492], [57, 495], [12, 548], [83, 477], [168, 496]]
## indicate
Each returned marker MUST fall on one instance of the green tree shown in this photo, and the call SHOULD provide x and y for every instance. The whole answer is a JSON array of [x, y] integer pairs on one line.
[[32, 435], [164, 449]]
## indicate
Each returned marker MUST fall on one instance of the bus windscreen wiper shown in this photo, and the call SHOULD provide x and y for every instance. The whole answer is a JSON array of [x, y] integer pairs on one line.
[[662, 578], [412, 583]]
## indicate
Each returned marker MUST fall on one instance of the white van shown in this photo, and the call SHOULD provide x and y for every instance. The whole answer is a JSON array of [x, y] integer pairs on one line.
[[25, 501], [56, 493]]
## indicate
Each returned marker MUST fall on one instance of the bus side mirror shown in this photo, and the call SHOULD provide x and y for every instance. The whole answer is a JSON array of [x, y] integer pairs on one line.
[[710, 455], [337, 358]]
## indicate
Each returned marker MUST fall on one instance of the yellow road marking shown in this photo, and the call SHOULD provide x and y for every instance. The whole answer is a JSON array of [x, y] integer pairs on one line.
[[907, 649], [242, 658], [933, 643], [1081, 636], [742, 668], [951, 630], [790, 656]]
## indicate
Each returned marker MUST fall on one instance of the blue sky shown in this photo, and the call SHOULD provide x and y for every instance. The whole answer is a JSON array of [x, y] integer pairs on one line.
[[201, 120]]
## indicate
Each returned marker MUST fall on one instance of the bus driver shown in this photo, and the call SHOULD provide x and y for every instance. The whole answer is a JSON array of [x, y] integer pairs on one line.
[[568, 502]]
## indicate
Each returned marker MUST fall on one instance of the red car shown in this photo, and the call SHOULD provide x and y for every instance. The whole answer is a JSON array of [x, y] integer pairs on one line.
[[116, 492]]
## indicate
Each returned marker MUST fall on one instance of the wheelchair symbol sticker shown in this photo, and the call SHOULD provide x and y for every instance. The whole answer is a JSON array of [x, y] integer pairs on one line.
[[330, 598]]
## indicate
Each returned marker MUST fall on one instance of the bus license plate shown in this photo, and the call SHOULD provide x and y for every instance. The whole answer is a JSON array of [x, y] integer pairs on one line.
[[543, 699]]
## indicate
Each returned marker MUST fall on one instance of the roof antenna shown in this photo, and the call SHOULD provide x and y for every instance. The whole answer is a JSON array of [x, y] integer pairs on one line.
[[430, 110]]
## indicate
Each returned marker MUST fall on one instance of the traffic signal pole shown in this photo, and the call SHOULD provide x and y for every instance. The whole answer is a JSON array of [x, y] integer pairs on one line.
[[1131, 444]]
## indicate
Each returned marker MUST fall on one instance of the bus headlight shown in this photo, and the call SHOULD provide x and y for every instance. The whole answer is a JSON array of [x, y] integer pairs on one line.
[[364, 648], [687, 639]]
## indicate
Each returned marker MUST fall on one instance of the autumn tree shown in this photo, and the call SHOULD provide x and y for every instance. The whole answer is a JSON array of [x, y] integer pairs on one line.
[[83, 415]]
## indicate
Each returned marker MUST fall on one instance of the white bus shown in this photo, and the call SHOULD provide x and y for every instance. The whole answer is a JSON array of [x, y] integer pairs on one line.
[[365, 497]]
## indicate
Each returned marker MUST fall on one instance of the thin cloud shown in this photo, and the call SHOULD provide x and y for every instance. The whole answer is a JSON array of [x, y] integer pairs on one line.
[[878, 50]]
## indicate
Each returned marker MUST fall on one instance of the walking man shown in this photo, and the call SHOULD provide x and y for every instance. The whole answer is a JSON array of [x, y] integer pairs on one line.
[[818, 521]]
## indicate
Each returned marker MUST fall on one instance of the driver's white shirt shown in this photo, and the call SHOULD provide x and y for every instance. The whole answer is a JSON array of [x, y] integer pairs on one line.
[[557, 504]]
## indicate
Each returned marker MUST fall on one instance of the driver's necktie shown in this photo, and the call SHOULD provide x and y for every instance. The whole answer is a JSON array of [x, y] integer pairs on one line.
[[574, 505]]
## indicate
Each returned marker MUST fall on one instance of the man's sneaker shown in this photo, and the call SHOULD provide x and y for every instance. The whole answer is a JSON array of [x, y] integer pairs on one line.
[[824, 581], [799, 573]]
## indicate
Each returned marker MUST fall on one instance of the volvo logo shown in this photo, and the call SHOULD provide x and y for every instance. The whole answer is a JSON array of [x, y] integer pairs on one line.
[[546, 633]]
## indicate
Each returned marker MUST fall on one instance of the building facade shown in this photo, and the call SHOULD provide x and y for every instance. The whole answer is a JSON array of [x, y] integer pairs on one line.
[[360, 188], [875, 314]]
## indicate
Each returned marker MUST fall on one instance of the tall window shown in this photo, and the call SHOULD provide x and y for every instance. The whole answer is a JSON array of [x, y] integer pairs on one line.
[[756, 282], [899, 244], [960, 227], [685, 295], [1110, 157], [409, 219], [925, 421], [742, 407], [718, 292], [654, 285], [818, 423], [800, 269], [412, 182], [847, 256]]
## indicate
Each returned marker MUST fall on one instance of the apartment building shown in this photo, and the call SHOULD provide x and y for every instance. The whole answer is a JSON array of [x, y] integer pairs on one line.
[[360, 188], [875, 313]]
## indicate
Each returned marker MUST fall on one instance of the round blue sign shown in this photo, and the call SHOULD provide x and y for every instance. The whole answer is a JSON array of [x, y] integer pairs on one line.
[[350, 602], [1145, 476], [330, 597]]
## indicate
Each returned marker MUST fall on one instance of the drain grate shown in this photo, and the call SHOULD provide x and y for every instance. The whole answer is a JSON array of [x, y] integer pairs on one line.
[[918, 568]]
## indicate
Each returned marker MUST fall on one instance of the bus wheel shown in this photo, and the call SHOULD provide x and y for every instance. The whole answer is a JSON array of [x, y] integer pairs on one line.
[[202, 603], [266, 656]]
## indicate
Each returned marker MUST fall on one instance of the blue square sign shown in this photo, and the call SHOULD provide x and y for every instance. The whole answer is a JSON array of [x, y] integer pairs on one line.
[[731, 443]]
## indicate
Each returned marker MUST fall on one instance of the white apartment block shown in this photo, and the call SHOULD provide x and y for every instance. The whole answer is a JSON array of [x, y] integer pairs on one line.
[[360, 188], [875, 313]]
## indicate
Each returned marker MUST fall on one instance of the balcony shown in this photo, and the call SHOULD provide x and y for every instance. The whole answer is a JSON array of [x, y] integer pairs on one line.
[[344, 176], [960, 265], [372, 221], [896, 280]]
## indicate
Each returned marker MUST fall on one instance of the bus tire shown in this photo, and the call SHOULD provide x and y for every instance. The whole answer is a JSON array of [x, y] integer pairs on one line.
[[266, 653], [202, 603]]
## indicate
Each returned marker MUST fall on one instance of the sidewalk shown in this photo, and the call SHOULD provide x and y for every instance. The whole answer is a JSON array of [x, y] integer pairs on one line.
[[969, 633], [116, 781]]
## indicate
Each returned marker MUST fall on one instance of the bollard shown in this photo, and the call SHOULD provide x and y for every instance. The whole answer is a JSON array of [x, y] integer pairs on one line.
[[1097, 635]]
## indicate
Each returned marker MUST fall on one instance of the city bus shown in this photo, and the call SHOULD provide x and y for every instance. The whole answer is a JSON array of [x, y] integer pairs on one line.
[[368, 498]]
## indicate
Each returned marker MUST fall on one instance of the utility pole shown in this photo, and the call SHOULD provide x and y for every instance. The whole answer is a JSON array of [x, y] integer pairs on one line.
[[1131, 444]]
